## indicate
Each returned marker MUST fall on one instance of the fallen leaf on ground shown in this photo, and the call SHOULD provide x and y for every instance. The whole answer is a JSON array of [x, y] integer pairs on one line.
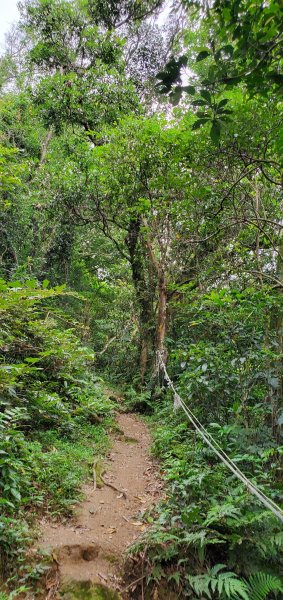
[[141, 499], [55, 557], [137, 523], [111, 530]]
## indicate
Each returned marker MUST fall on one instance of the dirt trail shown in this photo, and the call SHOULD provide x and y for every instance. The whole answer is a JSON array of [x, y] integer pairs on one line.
[[90, 548]]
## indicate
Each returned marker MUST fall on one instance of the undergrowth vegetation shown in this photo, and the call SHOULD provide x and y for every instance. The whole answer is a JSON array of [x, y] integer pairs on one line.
[[211, 538], [54, 415], [141, 156]]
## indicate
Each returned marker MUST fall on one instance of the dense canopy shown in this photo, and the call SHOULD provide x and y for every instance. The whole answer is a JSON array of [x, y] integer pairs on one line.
[[141, 157]]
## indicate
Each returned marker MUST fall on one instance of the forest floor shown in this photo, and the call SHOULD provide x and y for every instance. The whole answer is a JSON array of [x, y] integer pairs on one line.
[[89, 550]]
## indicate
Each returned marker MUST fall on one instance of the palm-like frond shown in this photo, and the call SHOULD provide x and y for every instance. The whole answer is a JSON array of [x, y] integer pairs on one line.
[[225, 584], [261, 584]]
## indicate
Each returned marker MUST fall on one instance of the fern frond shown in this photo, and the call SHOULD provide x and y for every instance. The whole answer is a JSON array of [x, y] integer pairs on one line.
[[196, 537], [234, 587], [260, 584], [200, 584], [226, 584], [201, 538], [215, 570], [221, 511], [276, 540]]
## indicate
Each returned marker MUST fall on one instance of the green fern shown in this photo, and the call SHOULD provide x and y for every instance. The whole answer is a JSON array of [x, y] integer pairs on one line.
[[227, 584], [22, 589], [270, 544], [260, 584], [200, 584], [221, 511], [201, 538], [277, 540]]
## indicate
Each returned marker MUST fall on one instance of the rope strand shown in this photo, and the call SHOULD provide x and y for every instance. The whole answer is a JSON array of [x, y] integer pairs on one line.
[[213, 444]]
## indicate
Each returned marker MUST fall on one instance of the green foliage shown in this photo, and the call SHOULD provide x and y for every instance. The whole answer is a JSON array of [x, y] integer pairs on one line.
[[233, 45], [261, 584], [225, 584], [53, 414], [208, 520], [156, 232], [241, 367], [87, 86], [246, 44], [225, 366], [21, 127], [10, 172]]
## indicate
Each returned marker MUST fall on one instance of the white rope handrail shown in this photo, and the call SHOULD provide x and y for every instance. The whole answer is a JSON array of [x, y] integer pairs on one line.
[[213, 444]]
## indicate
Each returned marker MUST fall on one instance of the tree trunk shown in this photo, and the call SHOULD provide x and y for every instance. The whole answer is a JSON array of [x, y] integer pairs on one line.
[[144, 294], [275, 396], [279, 328], [161, 330], [146, 346], [162, 318], [45, 146]]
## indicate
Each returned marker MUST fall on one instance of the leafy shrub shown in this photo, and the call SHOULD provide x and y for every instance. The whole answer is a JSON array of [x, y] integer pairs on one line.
[[207, 519], [229, 364], [49, 403], [210, 538]]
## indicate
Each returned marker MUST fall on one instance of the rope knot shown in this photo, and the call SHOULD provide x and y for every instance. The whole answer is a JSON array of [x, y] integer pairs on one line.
[[177, 402]]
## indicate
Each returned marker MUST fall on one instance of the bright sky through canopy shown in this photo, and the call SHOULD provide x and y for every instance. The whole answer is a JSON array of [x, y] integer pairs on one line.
[[8, 15]]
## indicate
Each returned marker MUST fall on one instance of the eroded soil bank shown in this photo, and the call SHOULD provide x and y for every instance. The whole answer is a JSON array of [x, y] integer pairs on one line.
[[89, 550]]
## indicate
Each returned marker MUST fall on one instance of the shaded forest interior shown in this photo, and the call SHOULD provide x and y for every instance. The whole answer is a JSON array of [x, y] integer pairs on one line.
[[141, 147]]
